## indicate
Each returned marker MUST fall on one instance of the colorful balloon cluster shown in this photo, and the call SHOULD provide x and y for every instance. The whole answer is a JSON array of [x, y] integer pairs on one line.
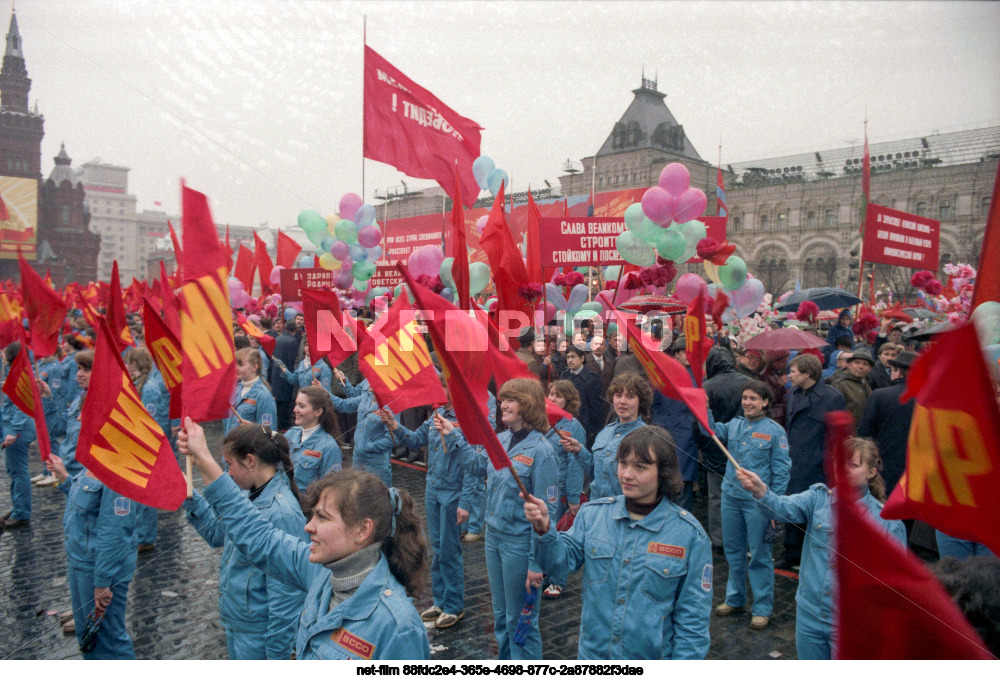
[[348, 242], [488, 175]]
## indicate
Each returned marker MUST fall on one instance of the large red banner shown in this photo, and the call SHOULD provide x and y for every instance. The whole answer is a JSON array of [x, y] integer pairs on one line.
[[293, 281], [900, 239]]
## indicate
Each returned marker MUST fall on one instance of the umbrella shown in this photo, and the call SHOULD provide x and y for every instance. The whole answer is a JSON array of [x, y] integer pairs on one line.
[[923, 334], [824, 298], [784, 338], [646, 304], [920, 313]]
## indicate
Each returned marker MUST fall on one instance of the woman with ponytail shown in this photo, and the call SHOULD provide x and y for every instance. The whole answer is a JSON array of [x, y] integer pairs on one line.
[[313, 439], [365, 559], [259, 612]]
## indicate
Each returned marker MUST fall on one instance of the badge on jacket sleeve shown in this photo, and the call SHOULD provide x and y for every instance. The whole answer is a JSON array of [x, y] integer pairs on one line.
[[122, 506], [706, 577], [353, 643], [265, 419], [552, 494], [783, 442]]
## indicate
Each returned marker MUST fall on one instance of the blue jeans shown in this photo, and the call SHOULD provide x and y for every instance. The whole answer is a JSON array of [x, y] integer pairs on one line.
[[146, 524], [507, 567], [812, 637], [245, 645], [477, 514], [447, 571], [743, 527], [960, 549], [16, 460], [113, 642]]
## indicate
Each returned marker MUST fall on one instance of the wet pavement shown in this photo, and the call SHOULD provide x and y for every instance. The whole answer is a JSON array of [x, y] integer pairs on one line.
[[173, 613]]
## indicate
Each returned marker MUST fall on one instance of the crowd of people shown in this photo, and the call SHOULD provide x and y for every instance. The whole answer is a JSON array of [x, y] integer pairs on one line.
[[321, 554]]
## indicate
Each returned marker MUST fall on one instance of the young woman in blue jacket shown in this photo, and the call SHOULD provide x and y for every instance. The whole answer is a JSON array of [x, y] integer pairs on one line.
[[372, 442], [645, 560], [259, 613], [18, 433], [313, 439], [365, 558], [307, 372], [252, 398], [814, 615]]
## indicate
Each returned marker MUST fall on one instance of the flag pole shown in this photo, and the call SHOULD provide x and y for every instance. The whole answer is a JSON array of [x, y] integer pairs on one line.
[[861, 250], [364, 124]]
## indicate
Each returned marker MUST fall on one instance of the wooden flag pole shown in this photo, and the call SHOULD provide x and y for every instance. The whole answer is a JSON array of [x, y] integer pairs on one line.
[[723, 449], [190, 476], [519, 482]]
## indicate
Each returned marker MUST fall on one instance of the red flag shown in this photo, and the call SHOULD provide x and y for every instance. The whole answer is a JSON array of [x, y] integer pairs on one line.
[[409, 128], [265, 341], [459, 248], [245, 267], [534, 243], [44, 309], [208, 366], [394, 358], [171, 305], [866, 181], [666, 374], [263, 261], [22, 389], [953, 452], [460, 342], [288, 250], [554, 413], [120, 442], [327, 329], [697, 343], [116, 312], [163, 344], [178, 255], [229, 253], [504, 362], [506, 264], [10, 321], [889, 606], [988, 276], [721, 208], [4, 212]]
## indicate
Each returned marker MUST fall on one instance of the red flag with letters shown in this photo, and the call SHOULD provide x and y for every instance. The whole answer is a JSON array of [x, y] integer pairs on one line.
[[953, 451], [120, 442], [265, 341], [697, 344], [44, 309], [166, 350], [116, 312], [208, 365], [394, 358], [329, 332], [288, 250], [22, 389], [263, 262], [10, 321]]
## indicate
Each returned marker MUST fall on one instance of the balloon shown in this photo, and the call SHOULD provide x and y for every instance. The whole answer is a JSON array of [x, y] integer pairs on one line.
[[480, 225], [634, 250], [305, 262], [275, 278], [347, 264], [658, 205], [496, 178], [611, 273], [675, 179], [373, 254], [346, 230], [479, 277], [331, 223], [335, 264], [369, 236], [361, 285], [427, 261], [693, 227], [444, 272], [748, 297], [634, 216], [550, 311], [363, 271], [688, 287], [365, 215], [733, 274], [310, 220], [343, 279], [358, 253], [234, 286], [448, 294], [986, 316], [690, 205], [400, 289], [317, 237], [327, 261], [340, 250], [349, 205], [650, 231], [481, 168], [671, 244], [327, 243]]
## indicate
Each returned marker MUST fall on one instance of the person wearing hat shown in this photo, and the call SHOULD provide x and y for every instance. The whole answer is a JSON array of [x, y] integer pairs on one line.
[[286, 350], [853, 383], [887, 421], [841, 329]]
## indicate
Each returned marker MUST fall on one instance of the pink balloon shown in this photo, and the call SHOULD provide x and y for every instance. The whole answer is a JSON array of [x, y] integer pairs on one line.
[[480, 225], [276, 275], [349, 205], [234, 286], [295, 305], [675, 179], [343, 279], [658, 205], [369, 236], [426, 261], [550, 311], [690, 205], [341, 250], [240, 299], [688, 287]]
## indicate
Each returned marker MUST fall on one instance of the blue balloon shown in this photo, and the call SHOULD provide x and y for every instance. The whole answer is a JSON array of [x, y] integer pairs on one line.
[[373, 254], [496, 178], [306, 262], [358, 253], [448, 294], [481, 168], [365, 215], [327, 243]]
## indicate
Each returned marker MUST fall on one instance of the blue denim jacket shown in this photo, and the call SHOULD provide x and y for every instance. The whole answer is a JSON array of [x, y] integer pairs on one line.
[[249, 600], [156, 400], [372, 444], [378, 622], [257, 406], [814, 508], [635, 572], [600, 464], [760, 446], [570, 471], [69, 389], [315, 457], [307, 372]]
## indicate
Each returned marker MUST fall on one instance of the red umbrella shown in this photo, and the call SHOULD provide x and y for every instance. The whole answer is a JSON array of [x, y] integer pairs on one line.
[[645, 304], [784, 338]]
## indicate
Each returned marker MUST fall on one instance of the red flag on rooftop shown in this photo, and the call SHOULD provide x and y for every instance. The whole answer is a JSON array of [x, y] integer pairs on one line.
[[460, 343], [163, 344], [459, 248], [22, 389], [866, 180], [288, 250], [953, 452], [116, 312], [263, 262], [120, 442], [44, 309], [987, 287], [888, 605], [409, 128], [329, 332], [264, 340], [506, 264], [206, 319]]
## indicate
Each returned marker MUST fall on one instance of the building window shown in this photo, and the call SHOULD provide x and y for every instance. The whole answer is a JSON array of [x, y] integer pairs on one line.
[[782, 220], [763, 222], [922, 209], [985, 206], [944, 209], [830, 217], [65, 215], [810, 219], [737, 223], [600, 182]]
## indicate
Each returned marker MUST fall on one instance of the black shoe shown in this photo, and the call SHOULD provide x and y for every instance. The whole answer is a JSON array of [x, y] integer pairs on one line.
[[14, 523], [414, 457], [786, 564], [400, 455]]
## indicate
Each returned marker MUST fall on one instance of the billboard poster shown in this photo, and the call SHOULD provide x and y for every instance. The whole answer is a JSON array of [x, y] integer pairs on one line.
[[900, 239], [20, 195]]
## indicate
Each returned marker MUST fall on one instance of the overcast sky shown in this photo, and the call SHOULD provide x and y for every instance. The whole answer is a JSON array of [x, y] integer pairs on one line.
[[258, 102]]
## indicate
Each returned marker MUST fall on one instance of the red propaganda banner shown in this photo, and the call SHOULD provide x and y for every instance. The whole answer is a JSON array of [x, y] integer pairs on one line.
[[22, 389], [401, 237], [166, 351], [409, 128], [900, 239], [120, 442], [293, 281]]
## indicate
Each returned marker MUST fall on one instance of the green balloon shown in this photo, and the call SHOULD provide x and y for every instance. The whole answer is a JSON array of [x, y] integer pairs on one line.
[[364, 270], [444, 272], [346, 230], [649, 230], [479, 277], [694, 229], [634, 216], [733, 274], [671, 244], [634, 250], [360, 285], [310, 220], [317, 237]]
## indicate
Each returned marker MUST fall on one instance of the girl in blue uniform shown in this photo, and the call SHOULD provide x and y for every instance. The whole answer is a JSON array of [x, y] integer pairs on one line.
[[306, 372], [372, 443], [259, 613], [631, 396], [18, 434], [510, 560], [759, 444], [313, 439], [644, 560], [252, 399], [814, 614], [365, 558]]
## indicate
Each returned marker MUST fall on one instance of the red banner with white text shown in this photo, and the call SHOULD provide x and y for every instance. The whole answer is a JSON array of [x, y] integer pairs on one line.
[[900, 239]]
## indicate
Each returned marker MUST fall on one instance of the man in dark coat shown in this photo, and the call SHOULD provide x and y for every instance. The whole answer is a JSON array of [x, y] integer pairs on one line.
[[675, 417], [887, 420], [589, 386], [286, 349], [601, 363], [880, 376]]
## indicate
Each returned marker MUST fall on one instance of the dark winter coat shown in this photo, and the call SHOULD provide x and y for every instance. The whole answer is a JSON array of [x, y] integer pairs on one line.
[[591, 400], [286, 348], [887, 421], [724, 388], [807, 433], [675, 417]]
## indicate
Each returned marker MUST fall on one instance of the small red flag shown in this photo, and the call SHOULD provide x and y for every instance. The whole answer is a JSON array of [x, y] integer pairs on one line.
[[263, 261], [288, 250], [327, 328], [120, 442], [10, 321], [116, 312], [4, 212], [506, 264], [265, 341], [171, 305], [22, 389], [987, 288], [459, 248], [534, 245], [178, 254], [696, 342], [167, 354], [44, 309], [245, 267], [953, 451], [889, 606]]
